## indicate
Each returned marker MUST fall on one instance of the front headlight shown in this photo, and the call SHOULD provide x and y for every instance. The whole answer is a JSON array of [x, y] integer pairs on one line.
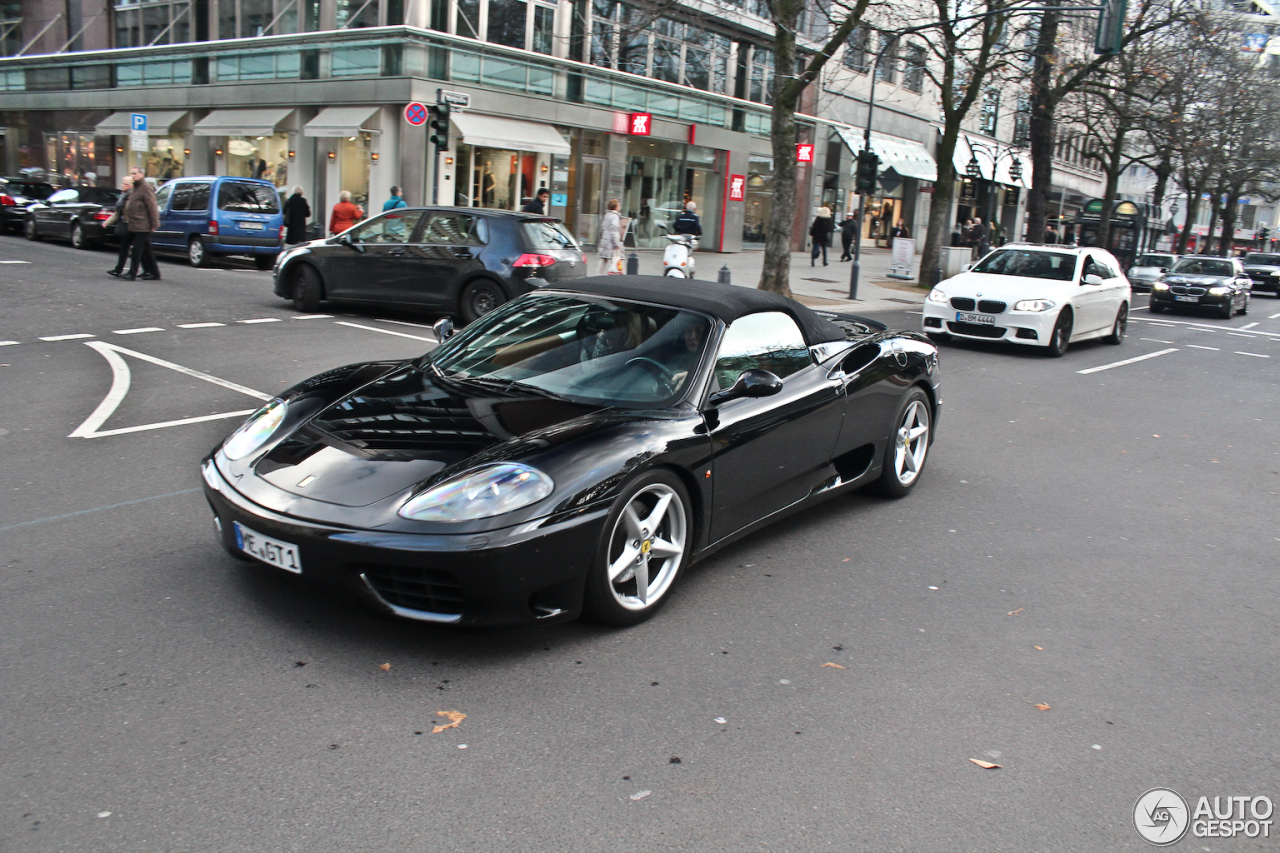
[[254, 432], [1219, 290], [1160, 285], [937, 295], [482, 493], [1033, 305]]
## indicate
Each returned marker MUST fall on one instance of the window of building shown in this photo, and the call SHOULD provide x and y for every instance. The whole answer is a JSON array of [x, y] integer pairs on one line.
[[1022, 122], [466, 21], [855, 50], [990, 112], [544, 27], [887, 61], [354, 14], [761, 87], [913, 70], [507, 22]]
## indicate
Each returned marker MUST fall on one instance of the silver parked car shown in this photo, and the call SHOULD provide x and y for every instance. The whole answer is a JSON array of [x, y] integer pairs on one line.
[[1148, 268]]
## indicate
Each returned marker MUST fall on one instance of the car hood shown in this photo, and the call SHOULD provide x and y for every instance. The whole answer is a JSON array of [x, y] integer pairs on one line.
[[1196, 279], [1008, 288], [1144, 272], [408, 427]]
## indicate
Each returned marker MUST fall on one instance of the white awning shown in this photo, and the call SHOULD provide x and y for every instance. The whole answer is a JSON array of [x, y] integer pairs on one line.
[[986, 150], [257, 122], [907, 157], [159, 123], [964, 154], [494, 132], [1004, 168], [340, 121]]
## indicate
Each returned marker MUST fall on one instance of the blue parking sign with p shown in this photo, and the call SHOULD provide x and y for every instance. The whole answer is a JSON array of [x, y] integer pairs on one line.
[[138, 121]]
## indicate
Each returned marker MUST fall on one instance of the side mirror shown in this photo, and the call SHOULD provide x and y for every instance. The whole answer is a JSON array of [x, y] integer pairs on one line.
[[968, 267], [1164, 269], [442, 329], [1092, 279], [751, 383]]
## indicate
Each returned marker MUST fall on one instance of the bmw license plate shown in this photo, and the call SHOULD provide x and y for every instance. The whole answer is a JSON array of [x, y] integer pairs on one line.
[[1187, 298], [252, 226], [979, 319], [282, 555]]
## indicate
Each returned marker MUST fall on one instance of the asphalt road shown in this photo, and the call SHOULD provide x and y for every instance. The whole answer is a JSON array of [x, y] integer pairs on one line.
[[1103, 544]]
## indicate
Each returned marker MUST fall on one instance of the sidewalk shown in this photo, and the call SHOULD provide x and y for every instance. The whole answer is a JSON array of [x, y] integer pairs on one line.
[[816, 286]]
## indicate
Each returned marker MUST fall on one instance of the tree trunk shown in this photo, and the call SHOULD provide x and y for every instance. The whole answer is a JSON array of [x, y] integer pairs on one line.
[[775, 274], [1043, 105], [1113, 171], [1214, 210], [944, 190], [1157, 199], [1229, 223], [1193, 213]]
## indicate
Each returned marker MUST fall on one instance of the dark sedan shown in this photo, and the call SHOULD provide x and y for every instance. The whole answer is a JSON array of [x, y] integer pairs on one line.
[[16, 195], [1203, 282], [75, 214], [1263, 268], [574, 450], [451, 259]]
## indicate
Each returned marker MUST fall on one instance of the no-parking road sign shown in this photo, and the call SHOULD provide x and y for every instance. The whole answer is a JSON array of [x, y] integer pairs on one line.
[[415, 114]]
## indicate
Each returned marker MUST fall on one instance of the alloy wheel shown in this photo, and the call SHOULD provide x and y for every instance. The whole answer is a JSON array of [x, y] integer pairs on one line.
[[911, 443], [647, 546]]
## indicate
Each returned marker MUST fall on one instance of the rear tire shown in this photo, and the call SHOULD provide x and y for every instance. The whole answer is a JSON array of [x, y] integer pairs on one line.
[[29, 228], [908, 446], [479, 298], [196, 253], [1060, 338], [1229, 310], [1244, 312], [77, 236], [308, 288], [1121, 326], [264, 262]]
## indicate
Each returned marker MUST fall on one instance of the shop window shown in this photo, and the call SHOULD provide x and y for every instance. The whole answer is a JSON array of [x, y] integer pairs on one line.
[[507, 22]]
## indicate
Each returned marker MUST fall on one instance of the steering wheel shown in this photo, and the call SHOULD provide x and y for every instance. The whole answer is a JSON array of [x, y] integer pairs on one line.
[[659, 371]]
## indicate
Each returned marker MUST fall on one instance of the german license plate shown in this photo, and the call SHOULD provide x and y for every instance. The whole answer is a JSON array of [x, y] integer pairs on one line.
[[282, 555], [980, 319], [252, 226], [1186, 298]]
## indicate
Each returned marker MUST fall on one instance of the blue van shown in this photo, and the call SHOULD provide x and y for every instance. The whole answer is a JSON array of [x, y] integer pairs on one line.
[[203, 217]]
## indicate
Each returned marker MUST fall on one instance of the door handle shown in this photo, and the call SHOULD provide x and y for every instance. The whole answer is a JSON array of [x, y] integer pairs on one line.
[[395, 253]]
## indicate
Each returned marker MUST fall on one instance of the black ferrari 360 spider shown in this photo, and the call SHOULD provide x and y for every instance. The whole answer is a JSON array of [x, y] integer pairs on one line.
[[573, 450]]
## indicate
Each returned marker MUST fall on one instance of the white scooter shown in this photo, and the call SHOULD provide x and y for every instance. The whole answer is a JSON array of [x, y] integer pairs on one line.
[[677, 260]]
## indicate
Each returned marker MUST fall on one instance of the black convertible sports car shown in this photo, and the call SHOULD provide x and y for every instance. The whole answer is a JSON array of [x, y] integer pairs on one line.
[[572, 450]]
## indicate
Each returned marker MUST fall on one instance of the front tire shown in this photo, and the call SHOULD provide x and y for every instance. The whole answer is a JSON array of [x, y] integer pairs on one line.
[[196, 253], [1060, 339], [1244, 312], [307, 289], [647, 540], [77, 236], [908, 446], [1157, 308], [479, 298], [1121, 326], [29, 228], [674, 273], [1229, 310]]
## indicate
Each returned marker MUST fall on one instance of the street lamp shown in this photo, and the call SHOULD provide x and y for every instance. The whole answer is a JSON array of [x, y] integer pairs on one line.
[[974, 169], [994, 153]]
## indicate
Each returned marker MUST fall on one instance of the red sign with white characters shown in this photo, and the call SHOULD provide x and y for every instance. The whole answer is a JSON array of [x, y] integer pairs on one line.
[[640, 124], [737, 188], [804, 152]]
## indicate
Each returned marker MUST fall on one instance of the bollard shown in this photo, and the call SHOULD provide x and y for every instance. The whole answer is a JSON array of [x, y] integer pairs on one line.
[[937, 276], [723, 278], [633, 264]]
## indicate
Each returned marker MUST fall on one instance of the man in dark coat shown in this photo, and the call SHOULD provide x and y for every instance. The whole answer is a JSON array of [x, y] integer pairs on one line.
[[688, 221], [538, 204], [296, 214], [847, 229], [143, 218], [121, 230]]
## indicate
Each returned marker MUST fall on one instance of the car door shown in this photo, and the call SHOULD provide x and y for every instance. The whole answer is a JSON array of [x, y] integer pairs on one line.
[[371, 262], [872, 396], [1091, 300], [448, 253], [54, 215], [769, 452], [171, 199]]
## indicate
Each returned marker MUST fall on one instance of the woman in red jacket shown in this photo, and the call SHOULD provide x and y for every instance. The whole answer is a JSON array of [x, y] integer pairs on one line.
[[345, 214]]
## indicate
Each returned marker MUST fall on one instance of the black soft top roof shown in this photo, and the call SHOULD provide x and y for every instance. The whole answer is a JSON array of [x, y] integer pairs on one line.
[[725, 301]]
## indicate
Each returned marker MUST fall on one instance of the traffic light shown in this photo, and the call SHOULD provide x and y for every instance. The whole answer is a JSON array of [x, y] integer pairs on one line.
[[1264, 232], [439, 125], [868, 169], [1110, 33]]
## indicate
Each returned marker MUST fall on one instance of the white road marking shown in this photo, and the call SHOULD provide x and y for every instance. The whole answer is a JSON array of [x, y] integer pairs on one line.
[[1274, 316], [313, 316], [403, 323], [1238, 335], [120, 380], [137, 331], [8, 343], [1254, 354], [1201, 327], [1129, 360], [1155, 340], [1246, 326], [260, 320], [66, 337], [199, 325], [1197, 346], [15, 262], [384, 331]]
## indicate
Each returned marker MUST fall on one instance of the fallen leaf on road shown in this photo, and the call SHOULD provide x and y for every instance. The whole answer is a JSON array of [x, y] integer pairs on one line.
[[386, 667], [985, 765], [1016, 612], [454, 718], [1039, 649], [835, 666], [1042, 707]]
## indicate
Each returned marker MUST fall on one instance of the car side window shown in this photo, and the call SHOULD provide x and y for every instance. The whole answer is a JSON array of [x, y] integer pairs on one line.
[[64, 197], [768, 341], [181, 197], [448, 228], [393, 227], [199, 197], [481, 232], [162, 195]]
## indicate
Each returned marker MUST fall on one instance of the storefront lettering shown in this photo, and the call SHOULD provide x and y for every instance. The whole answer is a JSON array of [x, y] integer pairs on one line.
[[804, 152], [640, 123], [737, 187]]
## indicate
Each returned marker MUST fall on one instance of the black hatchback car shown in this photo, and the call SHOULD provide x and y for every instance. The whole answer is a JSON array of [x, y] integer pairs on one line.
[[1203, 282], [448, 259], [16, 195], [75, 214]]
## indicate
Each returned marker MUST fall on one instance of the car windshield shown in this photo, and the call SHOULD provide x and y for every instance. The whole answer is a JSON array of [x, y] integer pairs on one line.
[[239, 197], [1204, 266], [582, 348], [547, 234], [1154, 261], [1259, 258], [1029, 263]]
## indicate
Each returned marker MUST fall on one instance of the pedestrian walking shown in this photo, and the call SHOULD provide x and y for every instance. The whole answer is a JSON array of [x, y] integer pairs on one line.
[[538, 204], [688, 222], [1050, 234], [609, 245], [820, 233], [847, 229], [121, 229], [345, 214], [296, 214], [143, 217], [395, 201], [980, 238]]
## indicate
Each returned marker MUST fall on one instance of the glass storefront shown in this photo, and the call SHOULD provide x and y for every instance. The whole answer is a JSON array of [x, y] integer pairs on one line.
[[166, 158], [497, 177], [72, 158], [661, 178], [353, 168], [759, 201], [264, 157]]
